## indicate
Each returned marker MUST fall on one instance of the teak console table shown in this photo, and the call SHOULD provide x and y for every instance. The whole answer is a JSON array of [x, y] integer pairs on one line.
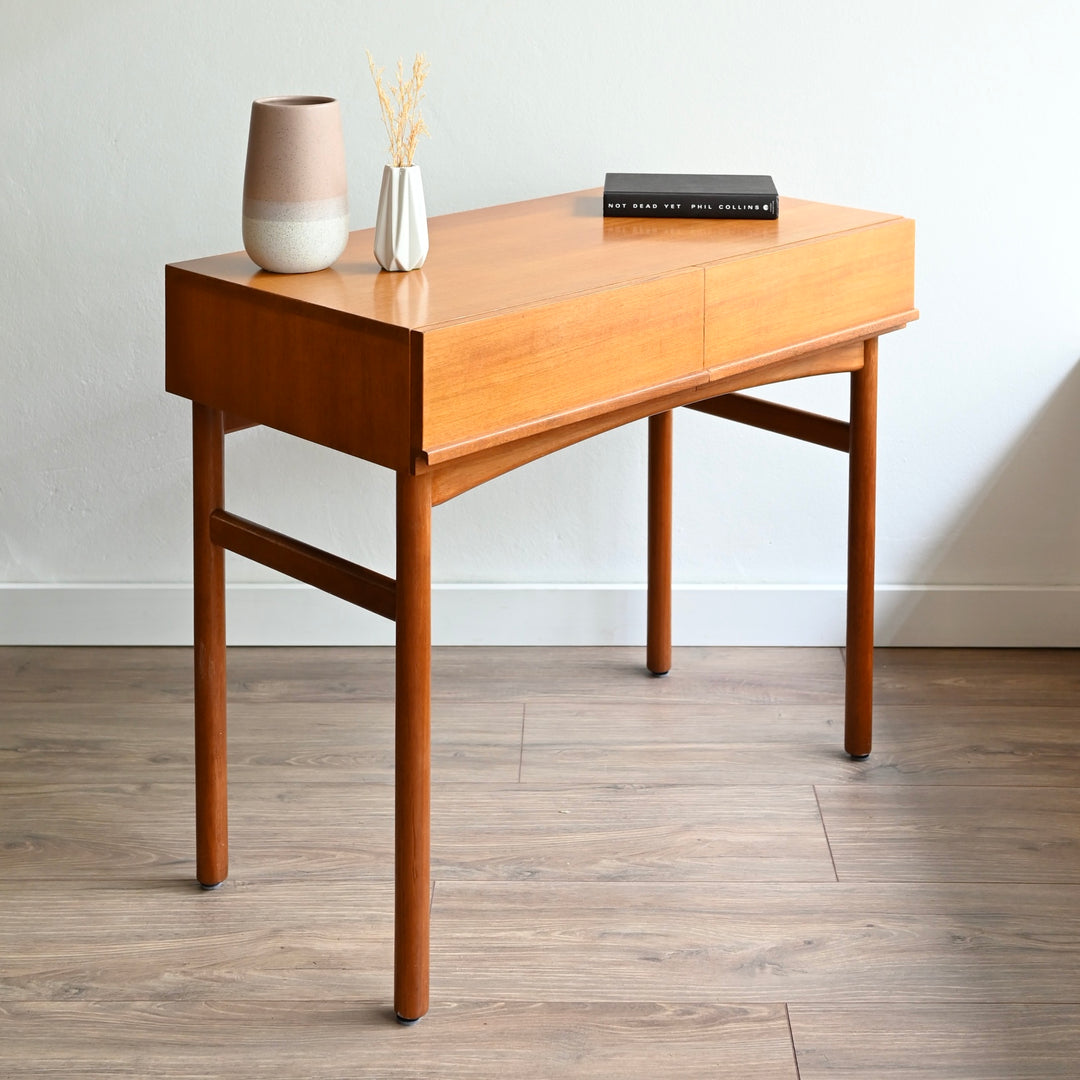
[[532, 326]]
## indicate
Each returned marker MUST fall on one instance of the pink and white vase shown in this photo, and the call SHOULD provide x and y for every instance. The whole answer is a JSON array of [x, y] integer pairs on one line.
[[401, 234], [296, 197]]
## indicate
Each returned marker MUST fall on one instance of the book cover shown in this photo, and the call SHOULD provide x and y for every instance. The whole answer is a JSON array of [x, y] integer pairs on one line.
[[690, 195]]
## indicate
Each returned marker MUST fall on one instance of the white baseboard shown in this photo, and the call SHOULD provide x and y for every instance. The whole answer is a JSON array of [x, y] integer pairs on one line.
[[810, 615]]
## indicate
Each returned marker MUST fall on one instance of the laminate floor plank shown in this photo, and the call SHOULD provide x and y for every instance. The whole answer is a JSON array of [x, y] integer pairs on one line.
[[770, 942], [527, 674], [99, 674], [694, 743], [480, 832], [937, 1042], [807, 942], [1022, 745], [68, 832], [472, 742], [142, 938], [1022, 677], [628, 833], [953, 833], [474, 673], [253, 1040]]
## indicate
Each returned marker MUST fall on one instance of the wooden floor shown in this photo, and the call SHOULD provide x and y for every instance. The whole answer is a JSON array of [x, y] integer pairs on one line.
[[633, 877]]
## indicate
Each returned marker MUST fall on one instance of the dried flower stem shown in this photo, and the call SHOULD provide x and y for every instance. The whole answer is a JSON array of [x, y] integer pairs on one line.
[[400, 108]]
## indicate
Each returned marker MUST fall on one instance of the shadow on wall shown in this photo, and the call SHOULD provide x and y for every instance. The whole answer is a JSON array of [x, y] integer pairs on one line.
[[1024, 526]]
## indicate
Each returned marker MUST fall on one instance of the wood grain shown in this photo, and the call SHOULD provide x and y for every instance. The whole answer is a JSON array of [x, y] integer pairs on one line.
[[43, 673], [768, 415], [476, 673], [462, 673], [953, 833], [325, 571], [472, 742], [937, 1042], [653, 892], [210, 690], [457, 469], [412, 746], [629, 833], [1018, 677], [659, 529], [136, 936], [685, 743], [523, 366], [862, 520], [668, 742], [524, 315], [252, 1040], [299, 368], [804, 942], [492, 832], [560, 246], [756, 305]]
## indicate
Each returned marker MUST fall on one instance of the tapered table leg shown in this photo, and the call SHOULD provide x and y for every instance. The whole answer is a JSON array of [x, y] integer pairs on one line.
[[211, 781], [862, 465], [658, 635], [412, 896]]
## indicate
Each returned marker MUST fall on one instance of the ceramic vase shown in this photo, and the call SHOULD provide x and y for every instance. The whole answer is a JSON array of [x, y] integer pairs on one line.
[[296, 198], [401, 236]]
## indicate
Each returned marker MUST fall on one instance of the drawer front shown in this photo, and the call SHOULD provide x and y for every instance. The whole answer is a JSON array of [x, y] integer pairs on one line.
[[484, 378], [797, 294]]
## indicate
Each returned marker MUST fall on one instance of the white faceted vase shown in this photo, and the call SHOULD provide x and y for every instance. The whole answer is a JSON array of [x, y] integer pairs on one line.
[[401, 236]]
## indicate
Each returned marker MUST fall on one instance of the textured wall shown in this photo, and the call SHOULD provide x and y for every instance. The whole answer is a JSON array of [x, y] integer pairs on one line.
[[122, 138]]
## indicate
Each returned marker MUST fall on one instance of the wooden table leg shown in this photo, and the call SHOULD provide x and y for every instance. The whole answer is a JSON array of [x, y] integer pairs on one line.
[[412, 840], [211, 780], [862, 466], [658, 635]]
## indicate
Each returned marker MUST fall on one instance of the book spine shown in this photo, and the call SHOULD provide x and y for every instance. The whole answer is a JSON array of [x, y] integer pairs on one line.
[[764, 208]]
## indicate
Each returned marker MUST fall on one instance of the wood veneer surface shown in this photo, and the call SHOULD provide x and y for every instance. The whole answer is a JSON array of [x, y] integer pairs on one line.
[[561, 246], [528, 317]]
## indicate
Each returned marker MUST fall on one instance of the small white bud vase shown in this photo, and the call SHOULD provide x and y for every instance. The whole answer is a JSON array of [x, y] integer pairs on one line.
[[296, 197], [401, 235]]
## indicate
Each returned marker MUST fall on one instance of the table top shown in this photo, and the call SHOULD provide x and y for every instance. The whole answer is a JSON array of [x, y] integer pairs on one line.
[[525, 315]]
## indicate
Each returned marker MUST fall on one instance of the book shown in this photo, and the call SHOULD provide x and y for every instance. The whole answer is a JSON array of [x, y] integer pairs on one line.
[[690, 195]]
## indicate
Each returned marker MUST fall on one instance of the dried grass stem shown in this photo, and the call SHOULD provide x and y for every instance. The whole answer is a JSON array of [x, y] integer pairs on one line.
[[400, 108]]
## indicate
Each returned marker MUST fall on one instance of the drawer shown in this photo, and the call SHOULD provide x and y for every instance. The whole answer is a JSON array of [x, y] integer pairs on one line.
[[491, 376], [793, 295]]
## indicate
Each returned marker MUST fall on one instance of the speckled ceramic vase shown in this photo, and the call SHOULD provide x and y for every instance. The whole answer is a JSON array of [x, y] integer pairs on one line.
[[401, 235], [296, 198]]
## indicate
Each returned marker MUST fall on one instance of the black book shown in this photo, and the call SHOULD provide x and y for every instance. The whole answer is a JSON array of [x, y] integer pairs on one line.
[[690, 196]]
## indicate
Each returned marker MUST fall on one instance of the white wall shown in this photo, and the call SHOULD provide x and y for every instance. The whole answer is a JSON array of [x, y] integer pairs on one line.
[[122, 136]]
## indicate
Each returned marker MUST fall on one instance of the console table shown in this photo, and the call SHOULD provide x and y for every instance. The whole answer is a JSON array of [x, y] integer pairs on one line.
[[532, 326]]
